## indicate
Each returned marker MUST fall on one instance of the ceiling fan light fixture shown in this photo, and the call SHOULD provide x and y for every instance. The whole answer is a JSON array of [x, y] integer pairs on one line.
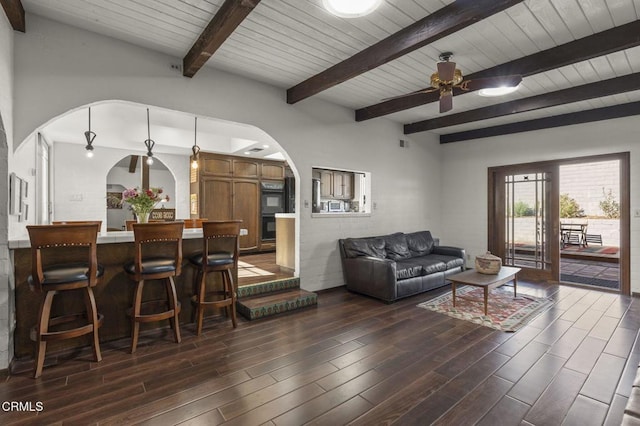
[[497, 91], [350, 8]]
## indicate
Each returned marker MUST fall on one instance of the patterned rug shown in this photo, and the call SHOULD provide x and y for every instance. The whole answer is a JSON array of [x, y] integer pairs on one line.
[[505, 313]]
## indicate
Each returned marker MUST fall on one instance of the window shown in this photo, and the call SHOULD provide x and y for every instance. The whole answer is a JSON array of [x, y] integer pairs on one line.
[[340, 191]]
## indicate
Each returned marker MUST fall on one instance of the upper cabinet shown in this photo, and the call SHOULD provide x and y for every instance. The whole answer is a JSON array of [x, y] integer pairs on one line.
[[335, 184], [241, 167], [343, 185], [245, 168], [218, 166], [326, 183], [272, 171]]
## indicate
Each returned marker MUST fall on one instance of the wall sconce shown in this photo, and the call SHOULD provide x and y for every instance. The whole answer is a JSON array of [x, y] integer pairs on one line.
[[195, 149], [149, 143], [89, 136]]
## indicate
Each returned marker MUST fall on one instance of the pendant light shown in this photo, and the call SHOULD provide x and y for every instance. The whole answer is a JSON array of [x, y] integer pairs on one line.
[[149, 143], [89, 136], [195, 149]]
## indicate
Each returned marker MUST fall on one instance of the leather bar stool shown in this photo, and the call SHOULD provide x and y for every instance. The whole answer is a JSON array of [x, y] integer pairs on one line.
[[158, 256], [51, 276], [219, 254]]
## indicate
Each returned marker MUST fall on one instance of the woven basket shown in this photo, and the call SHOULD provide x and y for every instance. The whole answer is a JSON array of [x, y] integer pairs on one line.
[[488, 264]]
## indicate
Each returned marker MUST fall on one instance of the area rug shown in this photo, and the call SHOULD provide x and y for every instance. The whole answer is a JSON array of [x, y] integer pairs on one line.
[[505, 312]]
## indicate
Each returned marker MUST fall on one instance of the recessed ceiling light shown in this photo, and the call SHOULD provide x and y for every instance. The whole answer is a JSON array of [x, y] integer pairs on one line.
[[247, 153], [497, 91], [351, 8]]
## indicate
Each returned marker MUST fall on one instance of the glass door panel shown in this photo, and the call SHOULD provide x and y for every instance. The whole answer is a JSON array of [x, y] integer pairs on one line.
[[526, 242], [522, 223]]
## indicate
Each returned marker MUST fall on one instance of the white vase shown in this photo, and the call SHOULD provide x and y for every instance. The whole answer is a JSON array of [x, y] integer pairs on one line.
[[142, 217]]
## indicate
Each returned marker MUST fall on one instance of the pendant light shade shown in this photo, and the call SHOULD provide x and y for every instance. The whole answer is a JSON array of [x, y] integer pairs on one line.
[[149, 143], [89, 136], [195, 149]]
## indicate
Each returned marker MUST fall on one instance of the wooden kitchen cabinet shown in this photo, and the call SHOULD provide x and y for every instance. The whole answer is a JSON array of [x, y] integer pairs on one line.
[[231, 199], [272, 171], [245, 168], [219, 166], [342, 185], [326, 184]]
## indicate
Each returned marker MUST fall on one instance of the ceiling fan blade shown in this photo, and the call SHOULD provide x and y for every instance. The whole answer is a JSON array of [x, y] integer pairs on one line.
[[491, 82], [446, 70], [446, 100], [417, 92]]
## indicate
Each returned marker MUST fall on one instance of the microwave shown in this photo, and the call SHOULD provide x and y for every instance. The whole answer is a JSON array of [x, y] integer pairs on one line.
[[335, 206]]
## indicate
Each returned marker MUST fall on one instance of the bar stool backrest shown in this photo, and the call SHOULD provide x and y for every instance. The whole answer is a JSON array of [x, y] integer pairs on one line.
[[154, 234], [214, 231], [66, 236], [194, 223], [67, 222]]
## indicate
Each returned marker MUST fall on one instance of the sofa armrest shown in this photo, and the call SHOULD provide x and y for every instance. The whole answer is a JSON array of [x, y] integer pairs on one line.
[[450, 251], [371, 276]]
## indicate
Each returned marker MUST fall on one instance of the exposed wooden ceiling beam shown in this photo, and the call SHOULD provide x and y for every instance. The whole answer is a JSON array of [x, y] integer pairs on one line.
[[602, 43], [229, 16], [133, 163], [449, 19], [15, 13], [584, 92], [597, 114]]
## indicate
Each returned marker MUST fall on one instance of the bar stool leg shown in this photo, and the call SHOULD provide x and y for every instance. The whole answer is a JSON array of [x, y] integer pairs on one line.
[[202, 289], [43, 327], [195, 289], [92, 315], [232, 295], [174, 305], [135, 313]]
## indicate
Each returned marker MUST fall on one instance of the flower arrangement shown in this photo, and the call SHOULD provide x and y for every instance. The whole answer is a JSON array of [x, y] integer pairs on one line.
[[143, 201]]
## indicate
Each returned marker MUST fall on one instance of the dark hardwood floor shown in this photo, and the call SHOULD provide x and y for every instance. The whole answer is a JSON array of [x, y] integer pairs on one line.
[[357, 360]]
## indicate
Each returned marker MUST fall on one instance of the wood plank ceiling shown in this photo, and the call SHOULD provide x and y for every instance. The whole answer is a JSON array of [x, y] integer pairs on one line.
[[287, 42]]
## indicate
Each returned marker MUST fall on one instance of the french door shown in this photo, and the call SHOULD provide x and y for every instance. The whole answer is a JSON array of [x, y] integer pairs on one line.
[[523, 227]]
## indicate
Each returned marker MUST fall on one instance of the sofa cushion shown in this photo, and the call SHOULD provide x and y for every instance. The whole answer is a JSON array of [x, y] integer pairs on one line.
[[408, 268], [420, 243], [451, 261], [396, 246], [431, 265], [354, 247]]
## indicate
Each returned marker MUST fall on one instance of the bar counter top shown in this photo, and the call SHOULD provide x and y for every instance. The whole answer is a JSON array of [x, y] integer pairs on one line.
[[111, 237]]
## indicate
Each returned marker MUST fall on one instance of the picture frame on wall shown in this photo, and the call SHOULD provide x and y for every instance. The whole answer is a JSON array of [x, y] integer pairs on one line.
[[15, 197], [24, 212], [24, 189]]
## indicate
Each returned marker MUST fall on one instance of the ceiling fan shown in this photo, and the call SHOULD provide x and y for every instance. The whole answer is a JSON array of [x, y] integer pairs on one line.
[[448, 76]]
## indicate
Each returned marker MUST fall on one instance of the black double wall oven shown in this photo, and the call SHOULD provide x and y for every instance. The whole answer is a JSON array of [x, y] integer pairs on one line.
[[272, 201]]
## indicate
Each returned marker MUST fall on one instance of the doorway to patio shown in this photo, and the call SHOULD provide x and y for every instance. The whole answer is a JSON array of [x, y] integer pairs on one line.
[[590, 223], [564, 220]]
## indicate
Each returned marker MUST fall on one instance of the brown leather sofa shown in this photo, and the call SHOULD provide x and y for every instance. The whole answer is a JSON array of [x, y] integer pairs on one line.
[[394, 266]]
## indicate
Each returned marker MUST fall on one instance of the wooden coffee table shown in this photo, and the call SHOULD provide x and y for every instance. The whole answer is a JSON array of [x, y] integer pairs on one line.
[[488, 282]]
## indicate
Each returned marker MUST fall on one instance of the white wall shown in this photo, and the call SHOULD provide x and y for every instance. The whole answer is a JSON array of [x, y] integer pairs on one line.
[[55, 77], [79, 183], [7, 286], [464, 174]]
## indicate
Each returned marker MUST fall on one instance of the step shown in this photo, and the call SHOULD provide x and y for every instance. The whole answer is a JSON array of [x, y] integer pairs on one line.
[[251, 290], [275, 303]]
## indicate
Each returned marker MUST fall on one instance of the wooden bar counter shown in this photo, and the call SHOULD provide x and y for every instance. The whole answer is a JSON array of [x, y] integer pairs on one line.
[[114, 292]]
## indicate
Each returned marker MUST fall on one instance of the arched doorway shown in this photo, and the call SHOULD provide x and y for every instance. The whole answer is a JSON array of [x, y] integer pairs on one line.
[[132, 172]]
